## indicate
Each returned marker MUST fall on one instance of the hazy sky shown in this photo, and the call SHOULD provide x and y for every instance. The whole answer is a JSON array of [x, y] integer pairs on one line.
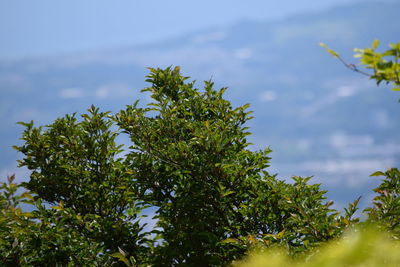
[[44, 27]]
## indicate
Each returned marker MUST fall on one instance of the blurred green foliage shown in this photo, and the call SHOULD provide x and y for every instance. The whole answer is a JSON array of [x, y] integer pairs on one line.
[[359, 246]]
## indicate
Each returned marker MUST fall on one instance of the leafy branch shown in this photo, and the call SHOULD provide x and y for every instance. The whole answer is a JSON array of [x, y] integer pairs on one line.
[[385, 65]]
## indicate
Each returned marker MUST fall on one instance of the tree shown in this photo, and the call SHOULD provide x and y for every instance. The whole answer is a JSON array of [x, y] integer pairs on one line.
[[78, 165], [189, 159]]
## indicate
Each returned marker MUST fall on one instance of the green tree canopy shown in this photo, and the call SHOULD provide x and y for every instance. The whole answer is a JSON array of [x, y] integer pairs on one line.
[[190, 161]]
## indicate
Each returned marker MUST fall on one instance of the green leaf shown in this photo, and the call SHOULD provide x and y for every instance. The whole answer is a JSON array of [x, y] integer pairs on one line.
[[378, 173], [230, 240], [123, 253], [323, 45], [28, 196], [330, 51], [375, 44], [121, 257], [227, 193]]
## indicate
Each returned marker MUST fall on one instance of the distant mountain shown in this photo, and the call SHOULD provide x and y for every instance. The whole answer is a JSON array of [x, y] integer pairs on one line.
[[318, 117]]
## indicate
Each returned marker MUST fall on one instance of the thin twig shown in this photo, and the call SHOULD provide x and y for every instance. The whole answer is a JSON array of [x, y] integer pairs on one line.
[[353, 67]]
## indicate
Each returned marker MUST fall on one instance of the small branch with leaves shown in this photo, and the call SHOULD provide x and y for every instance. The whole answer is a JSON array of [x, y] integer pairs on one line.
[[385, 65]]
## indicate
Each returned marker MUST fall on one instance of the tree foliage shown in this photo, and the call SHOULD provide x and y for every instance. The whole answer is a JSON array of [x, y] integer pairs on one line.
[[189, 160], [386, 205], [78, 165], [43, 236], [190, 156]]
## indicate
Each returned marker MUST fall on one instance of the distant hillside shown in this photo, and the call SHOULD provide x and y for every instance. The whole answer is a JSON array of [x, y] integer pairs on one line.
[[318, 117]]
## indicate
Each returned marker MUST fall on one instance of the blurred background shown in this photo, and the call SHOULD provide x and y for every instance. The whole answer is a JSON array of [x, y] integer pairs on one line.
[[318, 117]]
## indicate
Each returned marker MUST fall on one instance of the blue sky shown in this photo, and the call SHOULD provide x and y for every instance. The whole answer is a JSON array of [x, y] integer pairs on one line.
[[48, 27]]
